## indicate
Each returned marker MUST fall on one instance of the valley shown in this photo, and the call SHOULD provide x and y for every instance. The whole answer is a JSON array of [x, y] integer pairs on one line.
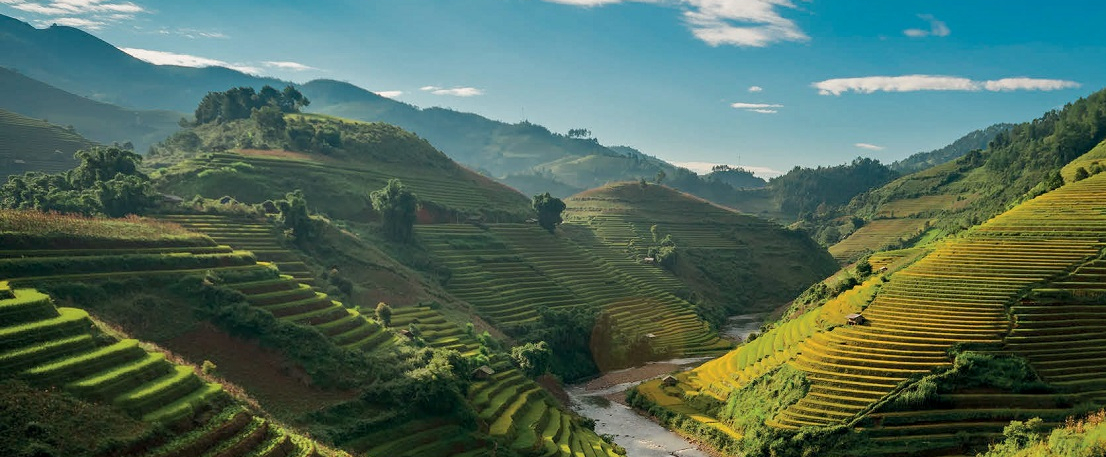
[[197, 260]]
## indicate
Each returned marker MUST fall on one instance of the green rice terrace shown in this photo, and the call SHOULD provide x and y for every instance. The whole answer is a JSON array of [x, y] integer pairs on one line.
[[54, 347], [735, 261], [36, 145], [1018, 296], [46, 346], [509, 271]]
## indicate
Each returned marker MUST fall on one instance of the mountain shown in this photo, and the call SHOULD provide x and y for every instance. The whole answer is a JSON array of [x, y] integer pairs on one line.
[[100, 122], [36, 145], [523, 154], [977, 139], [79, 62]]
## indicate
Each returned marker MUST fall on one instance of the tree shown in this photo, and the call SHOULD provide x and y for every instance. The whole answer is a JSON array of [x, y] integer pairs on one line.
[[103, 163], [1081, 174], [270, 120], [549, 210], [125, 194], [384, 314], [533, 358], [660, 176], [294, 216], [397, 208], [579, 133]]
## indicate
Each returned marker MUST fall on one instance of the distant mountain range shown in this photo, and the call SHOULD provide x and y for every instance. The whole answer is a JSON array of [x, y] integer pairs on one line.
[[526, 156]]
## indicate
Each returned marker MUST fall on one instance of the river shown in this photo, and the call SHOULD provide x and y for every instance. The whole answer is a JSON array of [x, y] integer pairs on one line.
[[640, 436]]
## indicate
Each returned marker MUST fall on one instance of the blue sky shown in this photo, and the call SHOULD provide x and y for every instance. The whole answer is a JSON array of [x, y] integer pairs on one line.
[[766, 84]]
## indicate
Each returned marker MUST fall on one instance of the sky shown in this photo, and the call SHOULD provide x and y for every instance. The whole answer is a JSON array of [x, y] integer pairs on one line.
[[763, 84]]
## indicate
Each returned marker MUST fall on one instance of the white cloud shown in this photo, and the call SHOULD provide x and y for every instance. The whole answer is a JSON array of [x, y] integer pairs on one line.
[[755, 89], [869, 146], [1010, 84], [762, 108], [285, 65], [752, 23], [185, 60], [390, 93], [455, 91], [936, 28], [914, 83], [755, 105], [89, 14], [90, 24]]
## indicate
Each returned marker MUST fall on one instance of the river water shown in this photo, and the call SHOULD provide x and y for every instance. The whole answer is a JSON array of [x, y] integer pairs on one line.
[[638, 434]]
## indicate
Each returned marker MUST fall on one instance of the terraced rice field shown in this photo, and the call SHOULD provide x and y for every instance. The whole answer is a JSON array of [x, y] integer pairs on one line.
[[912, 206], [481, 193], [36, 145], [288, 297], [54, 347], [510, 270], [959, 293], [1065, 338], [875, 235], [512, 408]]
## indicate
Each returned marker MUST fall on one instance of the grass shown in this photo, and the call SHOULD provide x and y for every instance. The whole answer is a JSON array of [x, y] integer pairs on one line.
[[29, 229]]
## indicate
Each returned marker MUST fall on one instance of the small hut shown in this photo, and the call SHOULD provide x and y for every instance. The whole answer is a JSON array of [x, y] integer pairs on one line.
[[648, 260], [669, 381], [407, 333], [855, 319], [482, 373]]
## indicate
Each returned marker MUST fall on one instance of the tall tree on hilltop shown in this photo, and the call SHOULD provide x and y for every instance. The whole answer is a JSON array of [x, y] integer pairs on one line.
[[549, 210], [397, 207]]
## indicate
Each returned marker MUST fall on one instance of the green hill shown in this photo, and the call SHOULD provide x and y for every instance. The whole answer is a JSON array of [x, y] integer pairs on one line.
[[337, 180], [977, 139], [99, 122], [1001, 323], [36, 145], [1025, 160], [735, 262]]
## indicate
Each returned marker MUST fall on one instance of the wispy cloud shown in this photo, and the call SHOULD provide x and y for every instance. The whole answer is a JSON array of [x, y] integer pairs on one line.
[[755, 89], [936, 28], [89, 14], [286, 65], [914, 83], [869, 146], [454, 91], [185, 60], [762, 108], [390, 93], [751, 23]]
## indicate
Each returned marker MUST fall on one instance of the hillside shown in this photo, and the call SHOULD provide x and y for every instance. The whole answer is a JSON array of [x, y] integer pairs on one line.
[[71, 360], [36, 145], [337, 178], [734, 263], [977, 139], [287, 347], [1024, 161], [99, 122], [940, 366]]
